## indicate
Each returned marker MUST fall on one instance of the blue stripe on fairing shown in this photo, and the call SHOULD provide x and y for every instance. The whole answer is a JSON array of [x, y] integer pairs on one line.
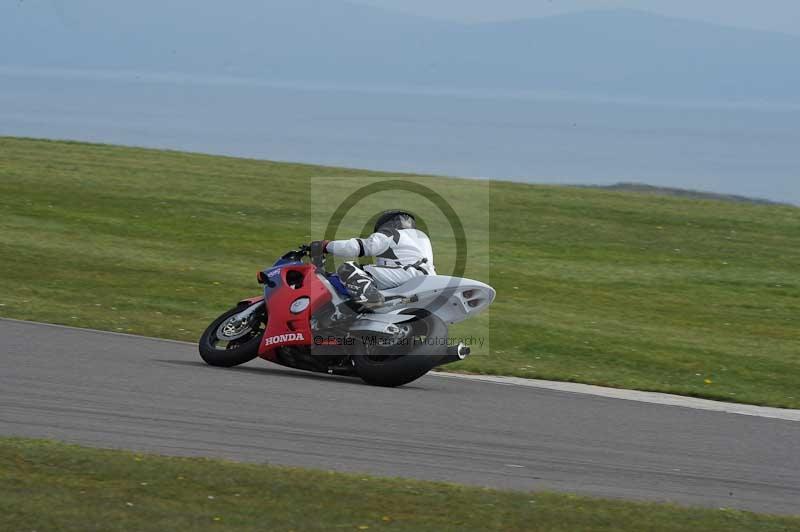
[[338, 285]]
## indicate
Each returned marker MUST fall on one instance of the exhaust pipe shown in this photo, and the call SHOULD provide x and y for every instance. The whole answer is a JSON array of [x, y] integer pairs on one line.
[[455, 353]]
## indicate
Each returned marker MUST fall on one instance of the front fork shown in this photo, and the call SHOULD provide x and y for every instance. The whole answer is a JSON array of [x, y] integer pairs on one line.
[[248, 312]]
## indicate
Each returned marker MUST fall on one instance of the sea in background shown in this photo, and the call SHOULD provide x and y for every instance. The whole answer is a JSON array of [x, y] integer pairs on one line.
[[750, 149]]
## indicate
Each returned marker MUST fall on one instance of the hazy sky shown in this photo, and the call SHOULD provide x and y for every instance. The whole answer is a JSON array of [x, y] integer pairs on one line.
[[780, 15]]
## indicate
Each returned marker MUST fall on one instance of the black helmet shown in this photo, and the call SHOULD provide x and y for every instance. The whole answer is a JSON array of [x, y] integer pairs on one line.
[[395, 220]]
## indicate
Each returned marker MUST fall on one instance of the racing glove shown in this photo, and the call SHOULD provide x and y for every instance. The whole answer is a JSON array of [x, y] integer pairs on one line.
[[318, 247]]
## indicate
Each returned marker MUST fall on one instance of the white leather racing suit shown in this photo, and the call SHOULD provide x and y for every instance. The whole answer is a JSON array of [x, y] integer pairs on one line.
[[400, 254]]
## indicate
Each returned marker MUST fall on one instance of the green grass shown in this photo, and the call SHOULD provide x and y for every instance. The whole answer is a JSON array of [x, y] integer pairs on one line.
[[619, 289], [54, 486]]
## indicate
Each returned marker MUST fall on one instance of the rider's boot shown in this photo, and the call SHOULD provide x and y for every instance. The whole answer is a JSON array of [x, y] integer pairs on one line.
[[360, 285]]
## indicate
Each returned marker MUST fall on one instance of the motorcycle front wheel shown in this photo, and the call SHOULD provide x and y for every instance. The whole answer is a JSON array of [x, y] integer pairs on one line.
[[228, 342]]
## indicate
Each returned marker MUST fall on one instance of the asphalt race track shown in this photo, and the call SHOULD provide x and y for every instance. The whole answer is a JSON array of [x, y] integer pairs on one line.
[[111, 390]]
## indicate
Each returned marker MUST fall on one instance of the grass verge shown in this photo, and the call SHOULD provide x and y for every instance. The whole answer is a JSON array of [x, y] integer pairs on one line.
[[647, 292], [54, 486]]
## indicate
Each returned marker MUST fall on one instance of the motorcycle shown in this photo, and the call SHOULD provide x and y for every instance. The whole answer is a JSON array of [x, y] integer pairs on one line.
[[305, 320]]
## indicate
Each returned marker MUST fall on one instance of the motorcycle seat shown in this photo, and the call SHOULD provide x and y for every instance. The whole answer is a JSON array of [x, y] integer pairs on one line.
[[421, 283]]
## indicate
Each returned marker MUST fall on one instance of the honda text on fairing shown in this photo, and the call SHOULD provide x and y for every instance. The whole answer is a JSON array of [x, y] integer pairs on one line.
[[306, 321]]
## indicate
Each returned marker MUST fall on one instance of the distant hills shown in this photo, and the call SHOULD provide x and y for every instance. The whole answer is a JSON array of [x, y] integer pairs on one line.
[[683, 193], [618, 52]]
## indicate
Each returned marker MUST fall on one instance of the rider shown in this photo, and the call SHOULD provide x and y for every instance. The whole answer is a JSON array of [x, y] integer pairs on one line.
[[401, 253]]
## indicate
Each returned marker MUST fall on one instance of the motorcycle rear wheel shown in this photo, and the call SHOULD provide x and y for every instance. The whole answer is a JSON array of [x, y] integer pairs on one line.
[[392, 366], [221, 352]]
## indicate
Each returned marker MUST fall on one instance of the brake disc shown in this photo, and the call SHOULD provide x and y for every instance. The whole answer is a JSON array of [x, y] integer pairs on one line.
[[233, 329]]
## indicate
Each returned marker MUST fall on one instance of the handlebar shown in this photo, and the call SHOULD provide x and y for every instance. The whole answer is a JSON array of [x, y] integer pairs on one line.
[[297, 255], [315, 256]]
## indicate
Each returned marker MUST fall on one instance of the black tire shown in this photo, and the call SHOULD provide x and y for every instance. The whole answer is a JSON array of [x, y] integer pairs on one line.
[[400, 366], [216, 351]]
